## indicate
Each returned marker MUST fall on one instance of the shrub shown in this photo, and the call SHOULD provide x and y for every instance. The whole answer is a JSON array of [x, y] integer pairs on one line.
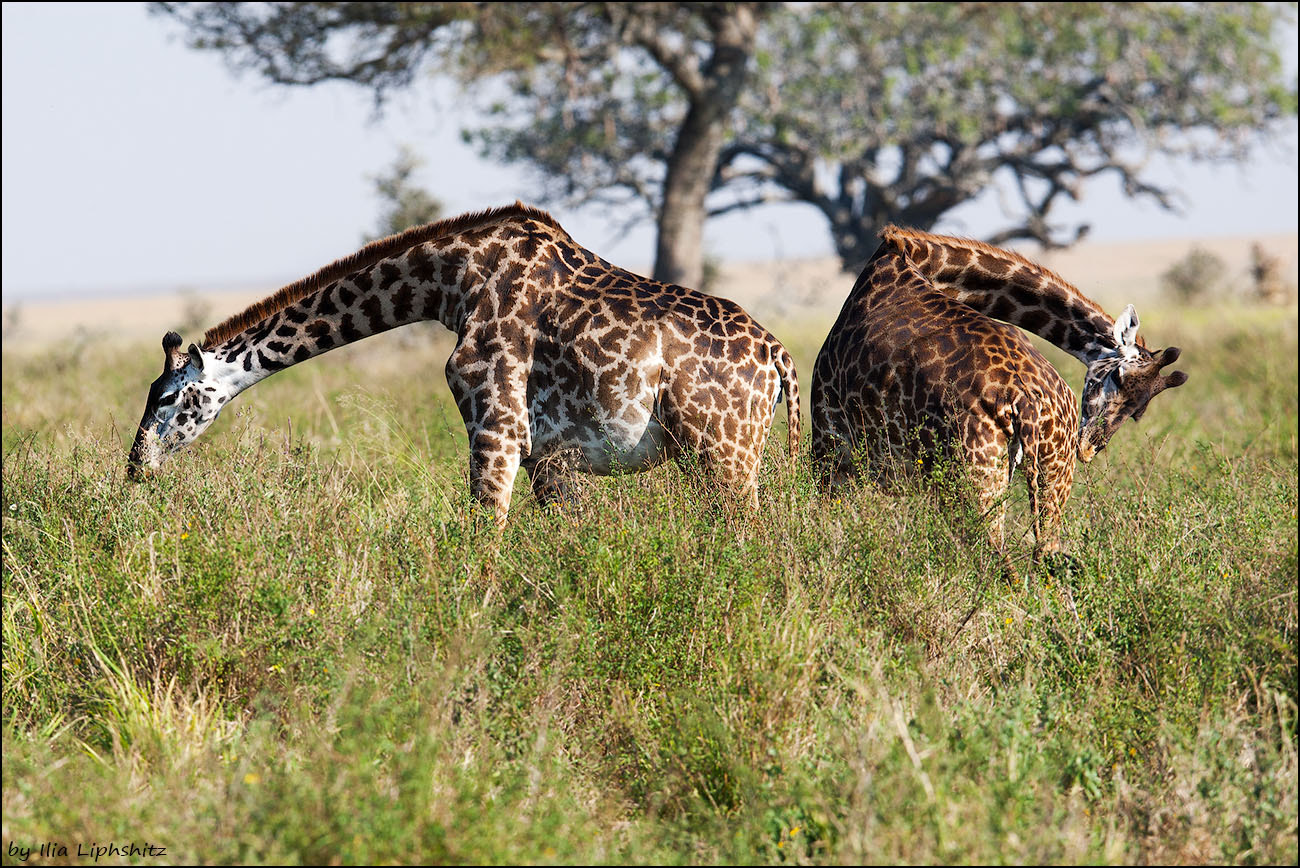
[[1197, 275]]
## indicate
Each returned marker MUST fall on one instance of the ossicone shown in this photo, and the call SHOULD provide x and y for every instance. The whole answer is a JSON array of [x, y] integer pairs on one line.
[[173, 360], [1167, 357]]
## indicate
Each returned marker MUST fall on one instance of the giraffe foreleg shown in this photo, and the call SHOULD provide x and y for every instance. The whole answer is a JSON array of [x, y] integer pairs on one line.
[[493, 464], [490, 393]]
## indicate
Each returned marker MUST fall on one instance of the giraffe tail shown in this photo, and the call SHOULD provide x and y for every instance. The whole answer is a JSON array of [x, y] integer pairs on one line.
[[790, 385]]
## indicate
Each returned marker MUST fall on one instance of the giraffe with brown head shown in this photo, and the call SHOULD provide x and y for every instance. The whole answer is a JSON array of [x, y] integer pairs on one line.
[[563, 362], [924, 362]]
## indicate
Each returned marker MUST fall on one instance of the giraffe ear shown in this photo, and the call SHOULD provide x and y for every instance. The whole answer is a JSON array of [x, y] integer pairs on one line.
[[1126, 327], [196, 357]]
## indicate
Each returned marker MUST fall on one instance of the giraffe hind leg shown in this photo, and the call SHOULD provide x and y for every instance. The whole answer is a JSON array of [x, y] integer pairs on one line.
[[991, 500], [1047, 492], [832, 460], [1049, 488]]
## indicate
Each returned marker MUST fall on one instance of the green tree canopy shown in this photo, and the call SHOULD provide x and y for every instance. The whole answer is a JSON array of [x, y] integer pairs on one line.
[[872, 113], [879, 113]]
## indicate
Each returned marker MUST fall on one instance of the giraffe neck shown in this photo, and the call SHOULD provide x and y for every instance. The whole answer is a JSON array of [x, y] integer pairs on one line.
[[1007, 287], [434, 280]]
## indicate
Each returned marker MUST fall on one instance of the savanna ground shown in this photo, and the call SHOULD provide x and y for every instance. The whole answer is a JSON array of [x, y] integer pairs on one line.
[[302, 643]]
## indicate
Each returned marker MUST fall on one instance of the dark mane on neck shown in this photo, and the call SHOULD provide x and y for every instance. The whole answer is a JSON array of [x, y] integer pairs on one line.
[[895, 234], [891, 233], [371, 253]]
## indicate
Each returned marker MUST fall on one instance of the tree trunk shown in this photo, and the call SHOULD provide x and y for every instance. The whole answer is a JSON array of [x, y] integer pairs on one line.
[[855, 235], [679, 251], [855, 242]]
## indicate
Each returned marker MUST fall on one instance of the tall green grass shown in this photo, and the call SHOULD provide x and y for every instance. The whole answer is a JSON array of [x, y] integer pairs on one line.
[[302, 643]]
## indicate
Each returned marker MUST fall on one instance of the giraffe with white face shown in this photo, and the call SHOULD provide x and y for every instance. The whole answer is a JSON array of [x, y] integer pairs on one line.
[[183, 402], [563, 362]]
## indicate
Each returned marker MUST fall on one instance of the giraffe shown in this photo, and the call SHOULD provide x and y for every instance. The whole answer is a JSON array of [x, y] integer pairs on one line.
[[563, 362], [924, 358]]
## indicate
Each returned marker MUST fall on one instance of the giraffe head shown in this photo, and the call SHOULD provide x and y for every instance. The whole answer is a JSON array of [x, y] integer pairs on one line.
[[1120, 383], [182, 403]]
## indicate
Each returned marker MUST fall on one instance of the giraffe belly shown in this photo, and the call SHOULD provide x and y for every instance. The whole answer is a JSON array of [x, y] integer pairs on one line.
[[602, 442], [618, 448]]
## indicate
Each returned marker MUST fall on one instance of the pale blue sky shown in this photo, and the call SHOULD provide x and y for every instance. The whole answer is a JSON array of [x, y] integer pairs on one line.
[[131, 163]]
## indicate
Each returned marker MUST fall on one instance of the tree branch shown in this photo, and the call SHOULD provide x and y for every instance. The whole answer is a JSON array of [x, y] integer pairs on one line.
[[648, 31]]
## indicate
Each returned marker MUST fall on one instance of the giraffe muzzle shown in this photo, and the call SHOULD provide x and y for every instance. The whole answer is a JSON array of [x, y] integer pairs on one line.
[[137, 469], [143, 459], [1088, 445]]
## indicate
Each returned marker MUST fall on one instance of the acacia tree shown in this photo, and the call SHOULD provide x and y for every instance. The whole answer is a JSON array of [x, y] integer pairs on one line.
[[873, 113], [880, 113], [565, 61]]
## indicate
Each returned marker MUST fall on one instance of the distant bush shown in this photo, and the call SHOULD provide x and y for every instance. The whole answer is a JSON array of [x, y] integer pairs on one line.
[[710, 274], [1196, 276], [13, 322], [405, 204], [1266, 274]]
